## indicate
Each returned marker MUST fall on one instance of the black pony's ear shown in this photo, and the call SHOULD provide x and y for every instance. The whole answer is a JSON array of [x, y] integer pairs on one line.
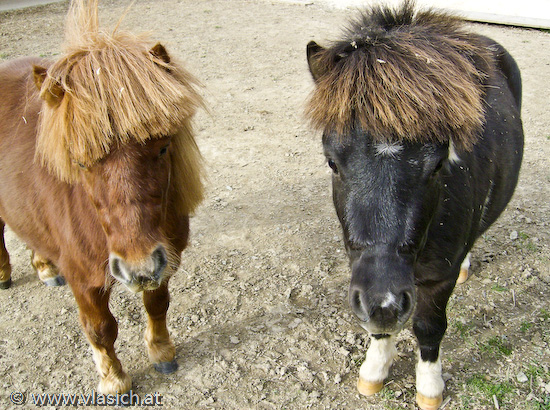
[[315, 68], [160, 52]]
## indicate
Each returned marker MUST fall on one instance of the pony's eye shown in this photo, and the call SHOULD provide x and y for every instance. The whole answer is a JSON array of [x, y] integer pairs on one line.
[[81, 165], [438, 167], [332, 165], [163, 151]]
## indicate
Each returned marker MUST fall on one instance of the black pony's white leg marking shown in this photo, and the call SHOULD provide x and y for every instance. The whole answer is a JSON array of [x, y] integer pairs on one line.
[[464, 268], [376, 366], [429, 325], [429, 383]]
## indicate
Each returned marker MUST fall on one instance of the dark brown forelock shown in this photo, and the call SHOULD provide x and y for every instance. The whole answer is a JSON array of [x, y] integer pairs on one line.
[[403, 76]]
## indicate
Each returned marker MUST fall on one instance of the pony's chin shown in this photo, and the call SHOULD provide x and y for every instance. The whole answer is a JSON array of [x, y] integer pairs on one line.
[[140, 287], [376, 329]]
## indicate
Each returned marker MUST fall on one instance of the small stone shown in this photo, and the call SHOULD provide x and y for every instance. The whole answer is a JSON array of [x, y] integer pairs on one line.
[[513, 235], [522, 378], [337, 379], [234, 340]]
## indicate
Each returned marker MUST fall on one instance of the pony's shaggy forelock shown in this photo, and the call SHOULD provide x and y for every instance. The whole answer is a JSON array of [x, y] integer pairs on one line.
[[403, 76], [115, 89]]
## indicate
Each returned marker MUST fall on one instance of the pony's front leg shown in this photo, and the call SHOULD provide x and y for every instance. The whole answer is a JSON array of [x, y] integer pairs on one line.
[[376, 366], [101, 329], [429, 325], [5, 267], [160, 347]]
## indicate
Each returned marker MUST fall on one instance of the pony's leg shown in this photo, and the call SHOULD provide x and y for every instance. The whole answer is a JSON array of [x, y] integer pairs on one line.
[[5, 267], [160, 347], [376, 366], [47, 271], [464, 268], [101, 329], [429, 325]]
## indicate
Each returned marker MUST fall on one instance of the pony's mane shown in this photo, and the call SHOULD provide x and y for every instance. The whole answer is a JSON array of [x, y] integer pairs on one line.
[[403, 75], [115, 89]]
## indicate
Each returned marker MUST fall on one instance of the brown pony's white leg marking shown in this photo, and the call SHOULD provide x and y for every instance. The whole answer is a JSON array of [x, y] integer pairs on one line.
[[429, 384], [101, 329], [160, 347], [113, 379], [47, 271], [5, 267], [376, 366], [463, 275]]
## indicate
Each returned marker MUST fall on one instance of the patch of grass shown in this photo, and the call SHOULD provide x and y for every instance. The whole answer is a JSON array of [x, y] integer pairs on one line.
[[523, 236], [464, 329], [499, 288], [525, 243], [544, 404], [544, 314], [534, 371], [489, 388], [525, 326], [497, 346], [466, 402]]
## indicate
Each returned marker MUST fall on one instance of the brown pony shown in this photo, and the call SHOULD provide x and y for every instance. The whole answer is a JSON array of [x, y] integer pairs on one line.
[[100, 172]]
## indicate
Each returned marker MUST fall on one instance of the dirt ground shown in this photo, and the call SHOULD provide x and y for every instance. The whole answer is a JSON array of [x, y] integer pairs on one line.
[[259, 308]]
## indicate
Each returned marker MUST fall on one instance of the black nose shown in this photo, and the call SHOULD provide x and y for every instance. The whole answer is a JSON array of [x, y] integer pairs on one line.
[[384, 310]]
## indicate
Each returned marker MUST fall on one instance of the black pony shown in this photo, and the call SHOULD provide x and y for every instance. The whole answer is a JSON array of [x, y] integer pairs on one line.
[[421, 126]]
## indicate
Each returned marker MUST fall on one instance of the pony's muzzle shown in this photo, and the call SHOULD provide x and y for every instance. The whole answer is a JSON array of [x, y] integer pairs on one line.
[[144, 275], [381, 313]]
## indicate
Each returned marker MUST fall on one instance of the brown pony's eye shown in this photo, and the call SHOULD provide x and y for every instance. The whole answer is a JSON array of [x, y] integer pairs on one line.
[[163, 150]]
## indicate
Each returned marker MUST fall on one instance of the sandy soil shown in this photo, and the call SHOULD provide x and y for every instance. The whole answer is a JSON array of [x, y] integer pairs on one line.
[[259, 310]]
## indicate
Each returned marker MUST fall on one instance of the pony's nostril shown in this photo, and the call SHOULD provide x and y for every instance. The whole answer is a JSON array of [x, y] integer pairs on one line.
[[357, 305], [114, 264], [160, 259], [405, 304]]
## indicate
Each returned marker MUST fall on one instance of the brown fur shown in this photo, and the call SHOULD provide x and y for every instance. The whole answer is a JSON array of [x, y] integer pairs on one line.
[[109, 88], [402, 76]]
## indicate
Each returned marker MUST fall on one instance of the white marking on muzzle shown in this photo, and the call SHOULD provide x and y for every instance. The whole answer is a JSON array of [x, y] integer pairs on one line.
[[388, 301]]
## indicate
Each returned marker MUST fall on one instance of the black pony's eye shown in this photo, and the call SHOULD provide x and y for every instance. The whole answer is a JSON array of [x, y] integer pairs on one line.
[[438, 167], [332, 165]]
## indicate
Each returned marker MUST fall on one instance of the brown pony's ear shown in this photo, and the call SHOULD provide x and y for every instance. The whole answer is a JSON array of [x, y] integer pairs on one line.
[[54, 94], [313, 50], [160, 52]]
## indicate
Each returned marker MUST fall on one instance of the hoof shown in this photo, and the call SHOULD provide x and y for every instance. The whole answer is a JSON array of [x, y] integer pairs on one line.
[[166, 367], [55, 281], [369, 388], [428, 403], [462, 276], [5, 284]]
